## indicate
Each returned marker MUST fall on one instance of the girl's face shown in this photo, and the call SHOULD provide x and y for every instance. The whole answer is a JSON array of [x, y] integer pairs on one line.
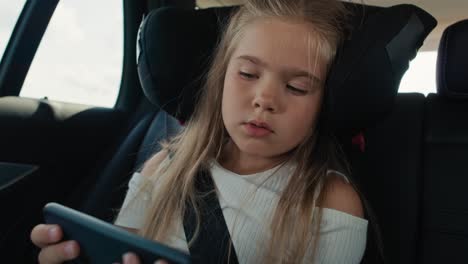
[[273, 88]]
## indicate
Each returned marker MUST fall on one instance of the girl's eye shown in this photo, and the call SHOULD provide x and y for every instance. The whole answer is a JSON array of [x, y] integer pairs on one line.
[[296, 90], [247, 75]]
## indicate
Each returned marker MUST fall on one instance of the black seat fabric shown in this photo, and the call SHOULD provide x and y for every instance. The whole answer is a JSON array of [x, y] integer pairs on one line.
[[452, 62], [175, 45], [390, 175], [445, 217], [109, 190]]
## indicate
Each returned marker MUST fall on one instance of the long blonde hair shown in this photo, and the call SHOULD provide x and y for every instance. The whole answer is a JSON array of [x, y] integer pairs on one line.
[[295, 223]]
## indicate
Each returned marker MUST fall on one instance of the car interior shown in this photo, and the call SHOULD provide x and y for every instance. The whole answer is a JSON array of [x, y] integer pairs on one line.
[[407, 151]]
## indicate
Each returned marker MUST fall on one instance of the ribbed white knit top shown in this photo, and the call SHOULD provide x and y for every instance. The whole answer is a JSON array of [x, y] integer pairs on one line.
[[248, 202]]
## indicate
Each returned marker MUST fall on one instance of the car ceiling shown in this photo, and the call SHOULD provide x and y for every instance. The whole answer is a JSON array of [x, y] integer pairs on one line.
[[446, 12]]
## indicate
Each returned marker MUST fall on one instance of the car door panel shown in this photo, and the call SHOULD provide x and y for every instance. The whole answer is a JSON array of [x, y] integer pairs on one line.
[[60, 144]]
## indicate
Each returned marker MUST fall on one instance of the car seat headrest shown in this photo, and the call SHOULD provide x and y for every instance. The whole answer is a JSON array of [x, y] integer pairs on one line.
[[363, 83], [452, 61], [175, 46]]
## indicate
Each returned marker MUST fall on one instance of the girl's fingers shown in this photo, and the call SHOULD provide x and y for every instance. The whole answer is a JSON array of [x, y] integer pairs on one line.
[[130, 258], [43, 235], [59, 253]]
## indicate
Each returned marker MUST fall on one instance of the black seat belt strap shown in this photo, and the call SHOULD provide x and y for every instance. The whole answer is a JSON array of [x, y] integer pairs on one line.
[[213, 243]]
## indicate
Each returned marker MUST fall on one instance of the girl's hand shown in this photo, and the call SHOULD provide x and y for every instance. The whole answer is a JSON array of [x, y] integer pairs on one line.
[[131, 258], [47, 237]]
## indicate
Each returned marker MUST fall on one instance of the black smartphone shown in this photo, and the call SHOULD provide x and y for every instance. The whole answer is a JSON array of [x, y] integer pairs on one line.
[[102, 242]]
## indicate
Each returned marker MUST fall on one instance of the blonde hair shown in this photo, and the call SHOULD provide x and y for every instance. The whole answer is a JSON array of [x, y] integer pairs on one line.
[[295, 223]]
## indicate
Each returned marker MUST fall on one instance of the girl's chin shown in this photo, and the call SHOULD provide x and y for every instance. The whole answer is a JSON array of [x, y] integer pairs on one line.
[[254, 148], [260, 151]]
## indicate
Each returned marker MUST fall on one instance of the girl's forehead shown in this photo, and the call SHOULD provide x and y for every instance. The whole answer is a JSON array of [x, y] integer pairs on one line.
[[281, 43], [286, 34]]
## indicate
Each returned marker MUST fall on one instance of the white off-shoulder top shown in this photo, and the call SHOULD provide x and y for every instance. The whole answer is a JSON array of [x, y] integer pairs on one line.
[[248, 202]]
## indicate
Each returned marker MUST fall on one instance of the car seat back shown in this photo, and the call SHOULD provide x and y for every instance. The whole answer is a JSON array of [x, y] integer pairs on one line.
[[444, 214]]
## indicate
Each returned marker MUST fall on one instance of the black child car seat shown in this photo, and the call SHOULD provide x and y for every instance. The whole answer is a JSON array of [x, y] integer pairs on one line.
[[175, 49]]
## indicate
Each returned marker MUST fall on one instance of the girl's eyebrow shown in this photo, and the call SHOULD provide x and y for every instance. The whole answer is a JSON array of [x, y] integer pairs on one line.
[[292, 71]]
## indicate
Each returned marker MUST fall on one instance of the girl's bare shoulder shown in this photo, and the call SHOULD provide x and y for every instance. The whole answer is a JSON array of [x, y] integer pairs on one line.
[[341, 195], [152, 164]]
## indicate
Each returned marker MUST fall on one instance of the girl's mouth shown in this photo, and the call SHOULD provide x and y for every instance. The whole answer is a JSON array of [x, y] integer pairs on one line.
[[257, 129]]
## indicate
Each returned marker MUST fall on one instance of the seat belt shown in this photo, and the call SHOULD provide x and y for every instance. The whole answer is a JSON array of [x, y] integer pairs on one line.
[[213, 243]]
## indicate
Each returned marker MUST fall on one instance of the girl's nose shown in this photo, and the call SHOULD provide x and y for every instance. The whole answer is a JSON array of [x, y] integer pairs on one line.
[[264, 105], [266, 99]]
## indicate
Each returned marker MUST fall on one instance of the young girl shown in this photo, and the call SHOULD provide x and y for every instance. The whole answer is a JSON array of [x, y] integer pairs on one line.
[[260, 130]]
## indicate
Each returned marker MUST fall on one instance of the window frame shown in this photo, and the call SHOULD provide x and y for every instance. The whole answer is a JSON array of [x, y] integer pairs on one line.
[[22, 46], [30, 28]]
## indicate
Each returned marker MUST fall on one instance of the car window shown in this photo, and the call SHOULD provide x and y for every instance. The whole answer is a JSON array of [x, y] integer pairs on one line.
[[9, 12], [80, 57], [421, 74]]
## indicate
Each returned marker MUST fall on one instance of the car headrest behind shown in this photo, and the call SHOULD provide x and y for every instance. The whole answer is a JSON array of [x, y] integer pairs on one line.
[[176, 45], [452, 62]]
